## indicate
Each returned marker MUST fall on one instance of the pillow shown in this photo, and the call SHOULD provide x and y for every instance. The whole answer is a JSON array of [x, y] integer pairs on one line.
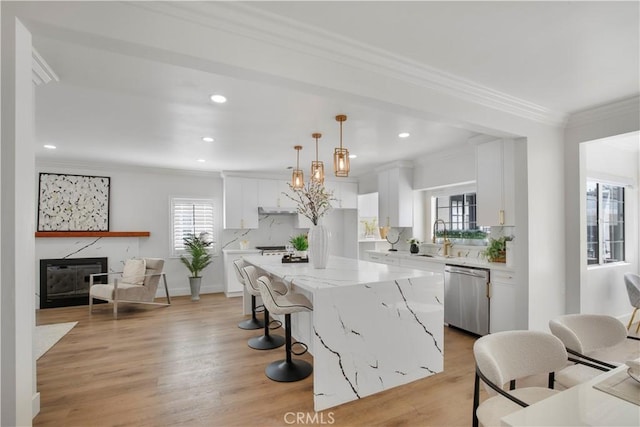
[[134, 271]]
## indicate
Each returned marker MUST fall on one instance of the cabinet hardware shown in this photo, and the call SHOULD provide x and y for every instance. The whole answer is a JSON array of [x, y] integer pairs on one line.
[[501, 217], [489, 290]]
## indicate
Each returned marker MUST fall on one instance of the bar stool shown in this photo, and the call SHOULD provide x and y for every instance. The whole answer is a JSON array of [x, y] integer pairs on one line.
[[254, 322], [286, 370], [265, 341]]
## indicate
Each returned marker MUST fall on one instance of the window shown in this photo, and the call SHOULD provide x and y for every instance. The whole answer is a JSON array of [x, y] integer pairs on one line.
[[190, 216], [605, 223], [457, 211]]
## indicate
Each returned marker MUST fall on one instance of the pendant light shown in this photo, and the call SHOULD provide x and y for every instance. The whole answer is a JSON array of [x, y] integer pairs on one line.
[[341, 155], [317, 167], [297, 178]]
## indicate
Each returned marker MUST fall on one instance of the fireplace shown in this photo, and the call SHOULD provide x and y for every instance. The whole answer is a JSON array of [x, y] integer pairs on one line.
[[65, 282]]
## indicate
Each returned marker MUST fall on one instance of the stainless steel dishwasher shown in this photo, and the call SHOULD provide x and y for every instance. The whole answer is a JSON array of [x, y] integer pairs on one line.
[[467, 298]]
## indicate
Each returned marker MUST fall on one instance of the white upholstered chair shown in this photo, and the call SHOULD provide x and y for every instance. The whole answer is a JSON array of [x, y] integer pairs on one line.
[[137, 283], [267, 340], [253, 322], [598, 340], [288, 369], [501, 359], [632, 281]]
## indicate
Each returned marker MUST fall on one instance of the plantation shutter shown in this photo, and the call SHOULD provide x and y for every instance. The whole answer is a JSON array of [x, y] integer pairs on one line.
[[191, 216]]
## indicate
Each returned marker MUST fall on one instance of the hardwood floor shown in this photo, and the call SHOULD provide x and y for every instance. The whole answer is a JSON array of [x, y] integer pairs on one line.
[[189, 365]]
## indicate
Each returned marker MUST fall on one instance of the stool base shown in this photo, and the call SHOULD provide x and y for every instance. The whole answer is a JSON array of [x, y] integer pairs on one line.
[[266, 342], [284, 371], [250, 324]]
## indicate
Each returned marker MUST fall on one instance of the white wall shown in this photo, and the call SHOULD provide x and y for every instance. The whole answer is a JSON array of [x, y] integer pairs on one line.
[[618, 118], [139, 201], [19, 398], [603, 290]]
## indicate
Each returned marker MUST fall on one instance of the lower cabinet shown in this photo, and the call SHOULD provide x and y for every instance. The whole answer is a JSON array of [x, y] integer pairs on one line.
[[503, 301], [232, 287]]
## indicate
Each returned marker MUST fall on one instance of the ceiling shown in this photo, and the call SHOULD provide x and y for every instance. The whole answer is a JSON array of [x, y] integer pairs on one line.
[[112, 106]]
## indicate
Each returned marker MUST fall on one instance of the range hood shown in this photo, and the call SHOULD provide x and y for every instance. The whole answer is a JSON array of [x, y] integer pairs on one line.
[[277, 210]]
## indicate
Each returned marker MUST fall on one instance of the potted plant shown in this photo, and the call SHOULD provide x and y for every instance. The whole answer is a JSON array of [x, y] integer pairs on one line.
[[199, 258], [414, 248], [300, 244], [496, 250]]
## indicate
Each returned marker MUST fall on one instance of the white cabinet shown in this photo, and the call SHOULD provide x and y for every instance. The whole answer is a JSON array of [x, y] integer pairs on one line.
[[503, 301], [232, 287], [345, 193], [395, 197], [270, 194], [495, 177], [240, 203]]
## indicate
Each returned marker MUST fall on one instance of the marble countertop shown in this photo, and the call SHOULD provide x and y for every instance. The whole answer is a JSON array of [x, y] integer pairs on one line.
[[465, 261], [340, 272]]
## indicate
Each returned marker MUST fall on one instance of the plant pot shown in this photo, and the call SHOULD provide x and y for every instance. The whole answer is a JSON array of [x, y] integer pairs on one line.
[[194, 284], [502, 257], [300, 254], [414, 249]]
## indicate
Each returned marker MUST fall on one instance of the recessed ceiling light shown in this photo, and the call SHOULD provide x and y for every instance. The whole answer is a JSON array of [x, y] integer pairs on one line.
[[207, 139], [352, 156], [218, 99], [201, 160], [404, 135], [50, 147]]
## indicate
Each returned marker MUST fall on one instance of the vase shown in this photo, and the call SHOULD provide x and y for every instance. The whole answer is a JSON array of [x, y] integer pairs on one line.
[[194, 284], [414, 249], [318, 246]]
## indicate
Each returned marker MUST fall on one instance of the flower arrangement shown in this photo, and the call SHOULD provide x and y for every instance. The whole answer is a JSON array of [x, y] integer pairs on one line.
[[313, 199], [413, 241]]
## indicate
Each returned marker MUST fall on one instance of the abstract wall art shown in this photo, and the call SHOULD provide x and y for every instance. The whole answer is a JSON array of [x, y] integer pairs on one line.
[[73, 202]]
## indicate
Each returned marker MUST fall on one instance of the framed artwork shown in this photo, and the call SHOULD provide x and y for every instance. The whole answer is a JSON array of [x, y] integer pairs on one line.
[[73, 202]]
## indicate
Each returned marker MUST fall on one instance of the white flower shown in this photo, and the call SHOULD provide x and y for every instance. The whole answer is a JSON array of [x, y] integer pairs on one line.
[[313, 200]]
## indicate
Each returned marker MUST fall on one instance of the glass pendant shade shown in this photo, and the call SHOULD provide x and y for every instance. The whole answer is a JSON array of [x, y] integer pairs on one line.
[[317, 167], [341, 155], [341, 162], [297, 178]]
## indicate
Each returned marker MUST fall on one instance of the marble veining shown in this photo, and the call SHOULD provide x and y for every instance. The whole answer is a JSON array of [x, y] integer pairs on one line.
[[373, 326]]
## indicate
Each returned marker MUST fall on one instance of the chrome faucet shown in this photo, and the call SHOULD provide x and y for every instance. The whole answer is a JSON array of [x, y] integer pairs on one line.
[[446, 243]]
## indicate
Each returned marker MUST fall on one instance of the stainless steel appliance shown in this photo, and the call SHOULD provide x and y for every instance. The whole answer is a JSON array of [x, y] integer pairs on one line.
[[467, 298]]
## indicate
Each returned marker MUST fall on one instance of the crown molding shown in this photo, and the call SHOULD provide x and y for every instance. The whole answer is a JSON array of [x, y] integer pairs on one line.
[[111, 167], [605, 112], [247, 21], [42, 73]]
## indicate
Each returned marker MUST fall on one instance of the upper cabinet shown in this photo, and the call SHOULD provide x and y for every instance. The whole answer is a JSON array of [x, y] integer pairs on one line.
[[240, 203], [495, 178], [345, 193], [395, 197], [271, 194]]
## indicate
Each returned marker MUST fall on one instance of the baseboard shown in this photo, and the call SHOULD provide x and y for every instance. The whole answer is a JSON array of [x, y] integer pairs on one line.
[[35, 404], [186, 290]]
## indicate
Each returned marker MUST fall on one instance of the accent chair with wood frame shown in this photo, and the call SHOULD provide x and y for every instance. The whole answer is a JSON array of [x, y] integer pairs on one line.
[[137, 283]]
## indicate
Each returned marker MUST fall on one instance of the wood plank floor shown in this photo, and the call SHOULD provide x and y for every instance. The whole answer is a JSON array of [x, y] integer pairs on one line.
[[189, 365]]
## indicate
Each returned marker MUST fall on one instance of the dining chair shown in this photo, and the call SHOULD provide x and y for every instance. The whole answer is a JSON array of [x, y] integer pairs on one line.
[[504, 357], [632, 281], [597, 340]]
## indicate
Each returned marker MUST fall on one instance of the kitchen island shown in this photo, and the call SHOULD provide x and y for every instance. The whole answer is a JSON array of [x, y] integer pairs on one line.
[[373, 326]]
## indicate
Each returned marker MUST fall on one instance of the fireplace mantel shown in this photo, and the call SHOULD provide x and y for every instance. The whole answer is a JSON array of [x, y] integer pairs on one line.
[[92, 234]]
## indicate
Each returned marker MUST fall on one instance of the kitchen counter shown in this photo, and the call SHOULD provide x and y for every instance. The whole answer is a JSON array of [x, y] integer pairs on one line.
[[465, 261], [373, 326]]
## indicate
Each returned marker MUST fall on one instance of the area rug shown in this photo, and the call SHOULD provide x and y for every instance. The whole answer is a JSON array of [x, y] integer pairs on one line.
[[48, 335]]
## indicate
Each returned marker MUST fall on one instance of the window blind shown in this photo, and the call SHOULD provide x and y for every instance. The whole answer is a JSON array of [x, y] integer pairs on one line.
[[191, 216]]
